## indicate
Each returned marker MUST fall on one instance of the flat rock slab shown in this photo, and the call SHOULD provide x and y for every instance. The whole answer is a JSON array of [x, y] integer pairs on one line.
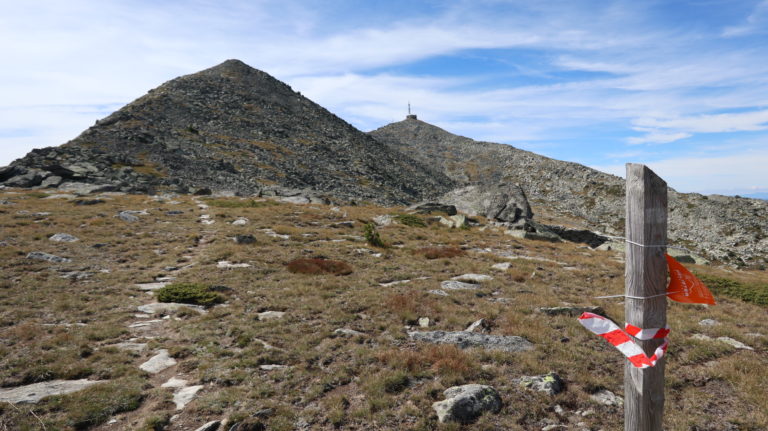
[[464, 340], [39, 255], [150, 286], [466, 403], [132, 347], [225, 264], [458, 285], [174, 383], [161, 361], [35, 392], [271, 315], [185, 395], [167, 307], [63, 237], [727, 340]]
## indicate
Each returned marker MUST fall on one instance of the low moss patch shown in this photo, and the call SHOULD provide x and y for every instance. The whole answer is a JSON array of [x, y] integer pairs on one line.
[[410, 220], [319, 266], [754, 293], [189, 293]]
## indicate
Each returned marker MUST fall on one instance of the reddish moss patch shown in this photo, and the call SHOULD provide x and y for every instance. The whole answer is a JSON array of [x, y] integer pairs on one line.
[[319, 266], [439, 252]]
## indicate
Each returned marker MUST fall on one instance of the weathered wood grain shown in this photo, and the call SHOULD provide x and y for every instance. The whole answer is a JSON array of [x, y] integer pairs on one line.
[[646, 275]]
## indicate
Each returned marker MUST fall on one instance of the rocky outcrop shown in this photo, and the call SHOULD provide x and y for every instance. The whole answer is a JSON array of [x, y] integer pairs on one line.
[[503, 202], [720, 228], [230, 128]]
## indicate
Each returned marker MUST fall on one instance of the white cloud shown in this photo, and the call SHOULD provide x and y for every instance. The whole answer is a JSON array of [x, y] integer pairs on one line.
[[714, 123], [755, 22], [658, 138], [737, 173]]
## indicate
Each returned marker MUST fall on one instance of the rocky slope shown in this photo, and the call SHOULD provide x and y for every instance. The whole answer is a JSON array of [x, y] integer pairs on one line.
[[723, 228], [233, 128]]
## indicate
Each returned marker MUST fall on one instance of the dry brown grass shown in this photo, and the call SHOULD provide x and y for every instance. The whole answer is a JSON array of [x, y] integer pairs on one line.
[[335, 381], [319, 266], [439, 252]]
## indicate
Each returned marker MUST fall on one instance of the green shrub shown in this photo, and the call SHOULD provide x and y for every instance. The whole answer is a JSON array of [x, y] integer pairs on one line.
[[410, 220], [189, 293], [372, 236]]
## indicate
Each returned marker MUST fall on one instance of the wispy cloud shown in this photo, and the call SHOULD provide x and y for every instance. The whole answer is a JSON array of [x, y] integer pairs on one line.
[[755, 22]]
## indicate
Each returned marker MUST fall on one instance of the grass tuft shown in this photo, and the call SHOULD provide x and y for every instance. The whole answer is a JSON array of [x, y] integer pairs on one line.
[[410, 220], [372, 236]]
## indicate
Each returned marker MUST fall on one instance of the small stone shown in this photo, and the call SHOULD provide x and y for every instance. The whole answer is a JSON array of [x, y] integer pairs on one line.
[[245, 239], [271, 315], [438, 292], [63, 237], [344, 224], [559, 410], [148, 287], [347, 332], [551, 383], [127, 217], [161, 361], [272, 367], [478, 326], [241, 221], [709, 322], [39, 255], [87, 202], [607, 398], [174, 212], [424, 322], [464, 404], [383, 220]]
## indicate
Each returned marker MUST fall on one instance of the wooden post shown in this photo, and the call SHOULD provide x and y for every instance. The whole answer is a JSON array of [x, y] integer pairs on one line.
[[646, 275]]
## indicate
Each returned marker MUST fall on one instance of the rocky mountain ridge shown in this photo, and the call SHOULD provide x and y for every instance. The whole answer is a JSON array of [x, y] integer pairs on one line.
[[721, 228], [230, 128]]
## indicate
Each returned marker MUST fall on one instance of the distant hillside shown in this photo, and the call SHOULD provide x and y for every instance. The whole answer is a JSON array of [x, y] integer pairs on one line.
[[722, 228], [235, 128]]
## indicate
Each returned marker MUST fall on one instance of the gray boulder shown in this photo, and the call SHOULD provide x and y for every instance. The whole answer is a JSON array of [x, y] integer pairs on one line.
[[31, 178], [503, 202], [52, 181], [127, 216], [464, 340], [466, 403]]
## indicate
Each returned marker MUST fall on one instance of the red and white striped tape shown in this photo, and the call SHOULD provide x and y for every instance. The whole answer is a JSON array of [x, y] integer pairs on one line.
[[623, 342]]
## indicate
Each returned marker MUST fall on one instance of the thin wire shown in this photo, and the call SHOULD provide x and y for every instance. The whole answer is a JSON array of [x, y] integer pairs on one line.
[[635, 297], [643, 245]]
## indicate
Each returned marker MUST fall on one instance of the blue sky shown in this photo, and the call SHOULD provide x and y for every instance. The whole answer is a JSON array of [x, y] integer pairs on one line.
[[681, 86]]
